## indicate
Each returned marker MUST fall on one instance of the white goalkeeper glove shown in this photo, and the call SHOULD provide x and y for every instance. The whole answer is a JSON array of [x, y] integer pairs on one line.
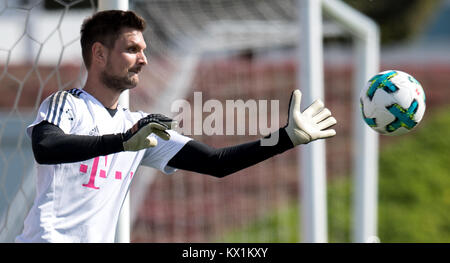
[[309, 125], [137, 137]]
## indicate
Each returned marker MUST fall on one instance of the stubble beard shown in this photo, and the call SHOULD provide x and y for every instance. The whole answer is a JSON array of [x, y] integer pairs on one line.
[[117, 82]]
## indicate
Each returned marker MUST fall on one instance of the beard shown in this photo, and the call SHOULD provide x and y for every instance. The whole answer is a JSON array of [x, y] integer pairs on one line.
[[119, 83]]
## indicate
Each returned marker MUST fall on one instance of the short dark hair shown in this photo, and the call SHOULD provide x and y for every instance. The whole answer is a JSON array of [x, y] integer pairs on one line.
[[104, 27]]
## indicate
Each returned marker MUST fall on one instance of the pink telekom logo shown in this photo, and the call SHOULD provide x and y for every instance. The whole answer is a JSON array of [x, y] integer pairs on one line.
[[91, 184]]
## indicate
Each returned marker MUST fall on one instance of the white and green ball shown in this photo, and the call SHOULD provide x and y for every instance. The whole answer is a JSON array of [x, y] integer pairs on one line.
[[392, 102]]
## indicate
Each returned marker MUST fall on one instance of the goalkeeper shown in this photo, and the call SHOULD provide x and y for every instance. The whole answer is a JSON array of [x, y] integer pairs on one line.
[[88, 147]]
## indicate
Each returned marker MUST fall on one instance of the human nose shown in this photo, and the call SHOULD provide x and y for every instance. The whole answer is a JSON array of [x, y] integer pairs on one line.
[[142, 59]]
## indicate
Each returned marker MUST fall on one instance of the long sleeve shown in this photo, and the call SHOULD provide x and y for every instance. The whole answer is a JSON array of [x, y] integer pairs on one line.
[[51, 145], [199, 157]]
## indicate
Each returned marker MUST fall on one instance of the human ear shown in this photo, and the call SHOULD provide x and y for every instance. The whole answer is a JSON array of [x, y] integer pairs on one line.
[[99, 54]]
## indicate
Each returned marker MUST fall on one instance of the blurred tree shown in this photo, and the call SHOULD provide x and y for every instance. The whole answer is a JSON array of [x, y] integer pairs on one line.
[[399, 20]]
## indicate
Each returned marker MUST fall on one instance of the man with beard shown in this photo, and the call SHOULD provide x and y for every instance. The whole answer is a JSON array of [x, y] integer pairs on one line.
[[88, 147]]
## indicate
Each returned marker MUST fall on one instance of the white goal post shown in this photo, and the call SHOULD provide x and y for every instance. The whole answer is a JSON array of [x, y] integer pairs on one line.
[[367, 52], [365, 153], [124, 225]]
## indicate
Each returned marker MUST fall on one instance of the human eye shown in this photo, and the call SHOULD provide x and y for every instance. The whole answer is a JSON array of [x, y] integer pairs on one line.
[[132, 49]]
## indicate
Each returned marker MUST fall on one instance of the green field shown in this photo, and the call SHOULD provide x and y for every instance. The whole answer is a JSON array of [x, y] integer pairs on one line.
[[414, 194]]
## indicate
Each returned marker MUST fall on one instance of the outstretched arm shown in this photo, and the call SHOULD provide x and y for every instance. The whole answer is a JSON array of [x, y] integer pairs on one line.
[[199, 157], [301, 128]]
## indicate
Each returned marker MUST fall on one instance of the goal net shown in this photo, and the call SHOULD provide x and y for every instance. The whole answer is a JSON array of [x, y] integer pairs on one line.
[[233, 58], [39, 55]]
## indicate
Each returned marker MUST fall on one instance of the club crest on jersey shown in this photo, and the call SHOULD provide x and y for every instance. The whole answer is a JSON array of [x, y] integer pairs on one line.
[[94, 131]]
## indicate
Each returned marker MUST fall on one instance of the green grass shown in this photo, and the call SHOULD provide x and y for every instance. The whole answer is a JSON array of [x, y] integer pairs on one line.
[[414, 194], [414, 198], [280, 226]]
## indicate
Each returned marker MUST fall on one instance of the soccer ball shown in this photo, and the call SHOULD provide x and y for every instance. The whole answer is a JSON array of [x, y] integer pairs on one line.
[[392, 102]]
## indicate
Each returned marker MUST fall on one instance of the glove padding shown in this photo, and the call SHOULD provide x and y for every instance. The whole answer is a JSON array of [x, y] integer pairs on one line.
[[309, 125], [137, 137]]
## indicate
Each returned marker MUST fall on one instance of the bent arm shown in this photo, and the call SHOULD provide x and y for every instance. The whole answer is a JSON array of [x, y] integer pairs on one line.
[[199, 157], [51, 145]]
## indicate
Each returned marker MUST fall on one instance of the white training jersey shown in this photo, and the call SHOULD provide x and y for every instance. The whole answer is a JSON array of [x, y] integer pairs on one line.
[[80, 202]]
